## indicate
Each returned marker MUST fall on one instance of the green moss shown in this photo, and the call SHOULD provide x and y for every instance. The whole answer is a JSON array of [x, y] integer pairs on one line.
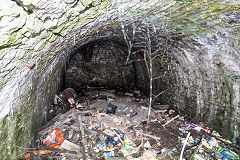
[[53, 38], [59, 29], [43, 44], [16, 130], [92, 8], [10, 41], [200, 17], [181, 2]]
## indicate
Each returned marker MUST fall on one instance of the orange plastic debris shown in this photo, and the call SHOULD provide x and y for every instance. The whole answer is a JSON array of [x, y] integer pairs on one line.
[[54, 137], [39, 152], [55, 146], [54, 140]]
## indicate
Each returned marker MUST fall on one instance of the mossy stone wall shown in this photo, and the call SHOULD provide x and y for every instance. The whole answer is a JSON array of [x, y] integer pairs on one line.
[[205, 60], [33, 31]]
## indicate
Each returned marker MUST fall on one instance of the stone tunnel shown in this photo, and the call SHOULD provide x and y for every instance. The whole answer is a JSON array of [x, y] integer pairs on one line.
[[194, 54]]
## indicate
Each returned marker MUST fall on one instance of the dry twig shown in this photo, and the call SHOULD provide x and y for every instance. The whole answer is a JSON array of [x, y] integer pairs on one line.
[[184, 145], [171, 120]]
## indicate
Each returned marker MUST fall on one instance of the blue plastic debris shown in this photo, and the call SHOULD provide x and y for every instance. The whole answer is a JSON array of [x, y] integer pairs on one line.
[[225, 155], [233, 153], [122, 135], [110, 154], [111, 140]]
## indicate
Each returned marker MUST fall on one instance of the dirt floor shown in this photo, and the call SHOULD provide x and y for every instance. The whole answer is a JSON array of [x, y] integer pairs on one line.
[[114, 125]]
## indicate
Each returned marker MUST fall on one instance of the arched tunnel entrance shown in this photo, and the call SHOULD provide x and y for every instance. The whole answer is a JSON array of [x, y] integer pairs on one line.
[[107, 62], [166, 65], [115, 58]]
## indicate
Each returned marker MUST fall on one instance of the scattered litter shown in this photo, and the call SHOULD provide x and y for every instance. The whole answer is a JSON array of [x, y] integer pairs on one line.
[[148, 155], [111, 109], [147, 145], [110, 154], [69, 95], [54, 137], [186, 126], [70, 146], [138, 133], [109, 126], [184, 145]]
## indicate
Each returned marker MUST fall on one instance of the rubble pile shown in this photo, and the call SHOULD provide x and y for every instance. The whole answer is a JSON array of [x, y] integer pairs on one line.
[[109, 125]]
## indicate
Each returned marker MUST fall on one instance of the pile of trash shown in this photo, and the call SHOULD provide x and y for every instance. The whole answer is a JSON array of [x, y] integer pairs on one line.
[[109, 125]]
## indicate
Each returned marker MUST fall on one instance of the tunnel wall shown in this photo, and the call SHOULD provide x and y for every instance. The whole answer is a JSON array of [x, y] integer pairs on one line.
[[102, 63], [45, 33], [212, 78], [34, 31], [205, 73]]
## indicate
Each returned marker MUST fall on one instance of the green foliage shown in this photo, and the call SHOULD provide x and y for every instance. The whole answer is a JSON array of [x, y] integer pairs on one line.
[[183, 1]]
